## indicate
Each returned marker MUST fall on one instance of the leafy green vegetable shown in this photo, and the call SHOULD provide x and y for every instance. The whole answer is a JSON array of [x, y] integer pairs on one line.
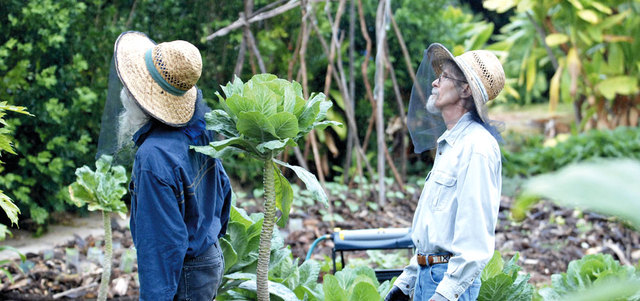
[[599, 270], [285, 274], [261, 118], [102, 190], [501, 281]]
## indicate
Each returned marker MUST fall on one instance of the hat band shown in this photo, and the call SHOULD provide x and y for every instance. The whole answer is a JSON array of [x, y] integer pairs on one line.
[[148, 58], [476, 79]]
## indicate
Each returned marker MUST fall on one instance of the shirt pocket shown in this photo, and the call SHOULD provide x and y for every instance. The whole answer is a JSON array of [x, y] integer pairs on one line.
[[445, 188]]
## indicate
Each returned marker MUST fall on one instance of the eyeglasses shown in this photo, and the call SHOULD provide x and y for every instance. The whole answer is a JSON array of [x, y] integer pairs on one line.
[[448, 77]]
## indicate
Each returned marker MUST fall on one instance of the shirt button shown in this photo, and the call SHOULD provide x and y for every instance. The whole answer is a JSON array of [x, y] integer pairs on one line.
[[456, 295], [407, 286]]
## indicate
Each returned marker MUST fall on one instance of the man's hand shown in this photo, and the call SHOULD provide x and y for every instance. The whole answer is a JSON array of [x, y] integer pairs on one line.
[[396, 294], [438, 297]]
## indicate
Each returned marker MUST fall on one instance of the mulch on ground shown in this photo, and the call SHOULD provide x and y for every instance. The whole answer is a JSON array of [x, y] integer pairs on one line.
[[547, 239]]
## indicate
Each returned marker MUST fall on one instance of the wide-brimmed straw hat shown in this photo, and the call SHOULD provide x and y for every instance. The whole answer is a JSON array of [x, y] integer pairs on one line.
[[162, 77], [482, 70]]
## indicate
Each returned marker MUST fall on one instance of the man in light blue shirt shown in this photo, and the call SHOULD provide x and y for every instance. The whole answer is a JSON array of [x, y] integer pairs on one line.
[[454, 224]]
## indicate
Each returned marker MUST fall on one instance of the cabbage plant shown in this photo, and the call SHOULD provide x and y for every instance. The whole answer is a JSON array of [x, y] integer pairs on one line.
[[102, 190], [261, 118]]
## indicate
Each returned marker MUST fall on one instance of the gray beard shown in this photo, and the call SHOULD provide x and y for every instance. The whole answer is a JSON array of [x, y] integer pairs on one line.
[[130, 120], [431, 104]]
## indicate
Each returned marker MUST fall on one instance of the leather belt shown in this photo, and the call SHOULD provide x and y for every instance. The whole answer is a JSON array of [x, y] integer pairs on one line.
[[429, 260]]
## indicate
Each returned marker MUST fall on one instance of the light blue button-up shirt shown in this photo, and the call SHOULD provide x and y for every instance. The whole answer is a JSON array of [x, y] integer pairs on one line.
[[458, 208]]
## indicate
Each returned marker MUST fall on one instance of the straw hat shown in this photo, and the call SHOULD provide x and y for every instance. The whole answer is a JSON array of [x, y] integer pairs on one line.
[[160, 77], [481, 68]]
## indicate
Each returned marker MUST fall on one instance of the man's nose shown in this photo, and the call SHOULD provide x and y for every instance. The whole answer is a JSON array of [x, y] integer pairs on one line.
[[435, 82]]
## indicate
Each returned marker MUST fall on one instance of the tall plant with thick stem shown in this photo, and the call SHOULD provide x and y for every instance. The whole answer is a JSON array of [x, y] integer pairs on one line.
[[102, 190], [261, 118]]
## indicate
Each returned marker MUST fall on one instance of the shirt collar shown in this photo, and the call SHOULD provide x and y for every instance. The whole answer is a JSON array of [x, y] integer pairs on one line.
[[452, 135]]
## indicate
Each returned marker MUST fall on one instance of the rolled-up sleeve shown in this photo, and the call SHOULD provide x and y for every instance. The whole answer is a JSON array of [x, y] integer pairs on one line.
[[160, 237], [474, 239]]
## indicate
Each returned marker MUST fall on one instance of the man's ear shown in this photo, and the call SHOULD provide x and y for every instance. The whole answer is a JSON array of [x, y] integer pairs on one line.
[[466, 91]]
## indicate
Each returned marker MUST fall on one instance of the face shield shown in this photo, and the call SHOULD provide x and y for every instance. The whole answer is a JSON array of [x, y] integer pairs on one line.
[[123, 152], [424, 121]]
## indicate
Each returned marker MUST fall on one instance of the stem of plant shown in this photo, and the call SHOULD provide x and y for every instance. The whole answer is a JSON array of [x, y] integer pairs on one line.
[[262, 270], [106, 268]]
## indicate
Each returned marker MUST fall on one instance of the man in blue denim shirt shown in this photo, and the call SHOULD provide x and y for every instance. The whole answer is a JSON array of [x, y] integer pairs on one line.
[[180, 199], [454, 224]]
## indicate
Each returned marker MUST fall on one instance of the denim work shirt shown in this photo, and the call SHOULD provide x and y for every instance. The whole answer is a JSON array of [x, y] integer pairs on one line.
[[458, 208], [180, 202]]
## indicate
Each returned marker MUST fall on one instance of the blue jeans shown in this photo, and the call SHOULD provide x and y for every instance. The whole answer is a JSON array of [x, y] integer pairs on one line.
[[428, 279], [201, 276]]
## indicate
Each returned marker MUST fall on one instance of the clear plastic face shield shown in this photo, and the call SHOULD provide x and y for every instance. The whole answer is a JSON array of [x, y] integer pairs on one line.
[[424, 120]]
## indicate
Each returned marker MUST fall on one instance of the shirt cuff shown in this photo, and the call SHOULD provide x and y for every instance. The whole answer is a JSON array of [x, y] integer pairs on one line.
[[450, 289], [405, 283]]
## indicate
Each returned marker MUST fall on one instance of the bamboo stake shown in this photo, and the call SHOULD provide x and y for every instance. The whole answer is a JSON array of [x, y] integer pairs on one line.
[[383, 10], [352, 89], [403, 117]]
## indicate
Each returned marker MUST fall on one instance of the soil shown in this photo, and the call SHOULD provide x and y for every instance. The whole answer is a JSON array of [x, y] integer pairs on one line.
[[547, 239]]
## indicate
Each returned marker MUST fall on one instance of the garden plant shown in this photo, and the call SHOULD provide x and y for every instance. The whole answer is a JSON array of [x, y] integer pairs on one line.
[[102, 190], [261, 118]]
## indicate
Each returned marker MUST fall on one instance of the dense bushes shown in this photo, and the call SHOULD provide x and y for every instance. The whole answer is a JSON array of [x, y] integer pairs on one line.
[[531, 156]]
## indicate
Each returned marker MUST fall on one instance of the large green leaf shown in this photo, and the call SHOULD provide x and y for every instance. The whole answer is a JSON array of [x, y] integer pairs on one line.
[[284, 197], [493, 267], [285, 124], [256, 125], [332, 289], [230, 255], [265, 100], [275, 289], [233, 88], [364, 291], [238, 103], [9, 208], [586, 185], [219, 121], [102, 189], [307, 117], [623, 85], [289, 100], [208, 150], [309, 180], [263, 77], [275, 145]]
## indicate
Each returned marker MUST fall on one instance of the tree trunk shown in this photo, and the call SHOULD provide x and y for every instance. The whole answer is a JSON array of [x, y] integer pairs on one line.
[[108, 251], [262, 270]]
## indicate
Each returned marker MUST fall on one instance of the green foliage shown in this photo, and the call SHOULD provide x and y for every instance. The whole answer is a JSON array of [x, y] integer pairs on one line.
[[586, 185], [594, 46], [357, 283], [599, 270], [286, 277], [260, 118], [6, 145], [502, 281], [101, 189], [533, 157], [54, 59]]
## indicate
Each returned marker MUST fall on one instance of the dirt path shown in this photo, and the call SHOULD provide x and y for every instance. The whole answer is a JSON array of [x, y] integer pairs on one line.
[[58, 234]]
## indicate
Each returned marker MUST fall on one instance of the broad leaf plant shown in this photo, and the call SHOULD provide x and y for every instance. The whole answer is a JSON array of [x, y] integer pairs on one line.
[[261, 118], [102, 190]]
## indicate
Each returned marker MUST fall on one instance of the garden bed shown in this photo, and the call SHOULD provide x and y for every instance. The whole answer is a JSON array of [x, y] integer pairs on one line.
[[547, 239]]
